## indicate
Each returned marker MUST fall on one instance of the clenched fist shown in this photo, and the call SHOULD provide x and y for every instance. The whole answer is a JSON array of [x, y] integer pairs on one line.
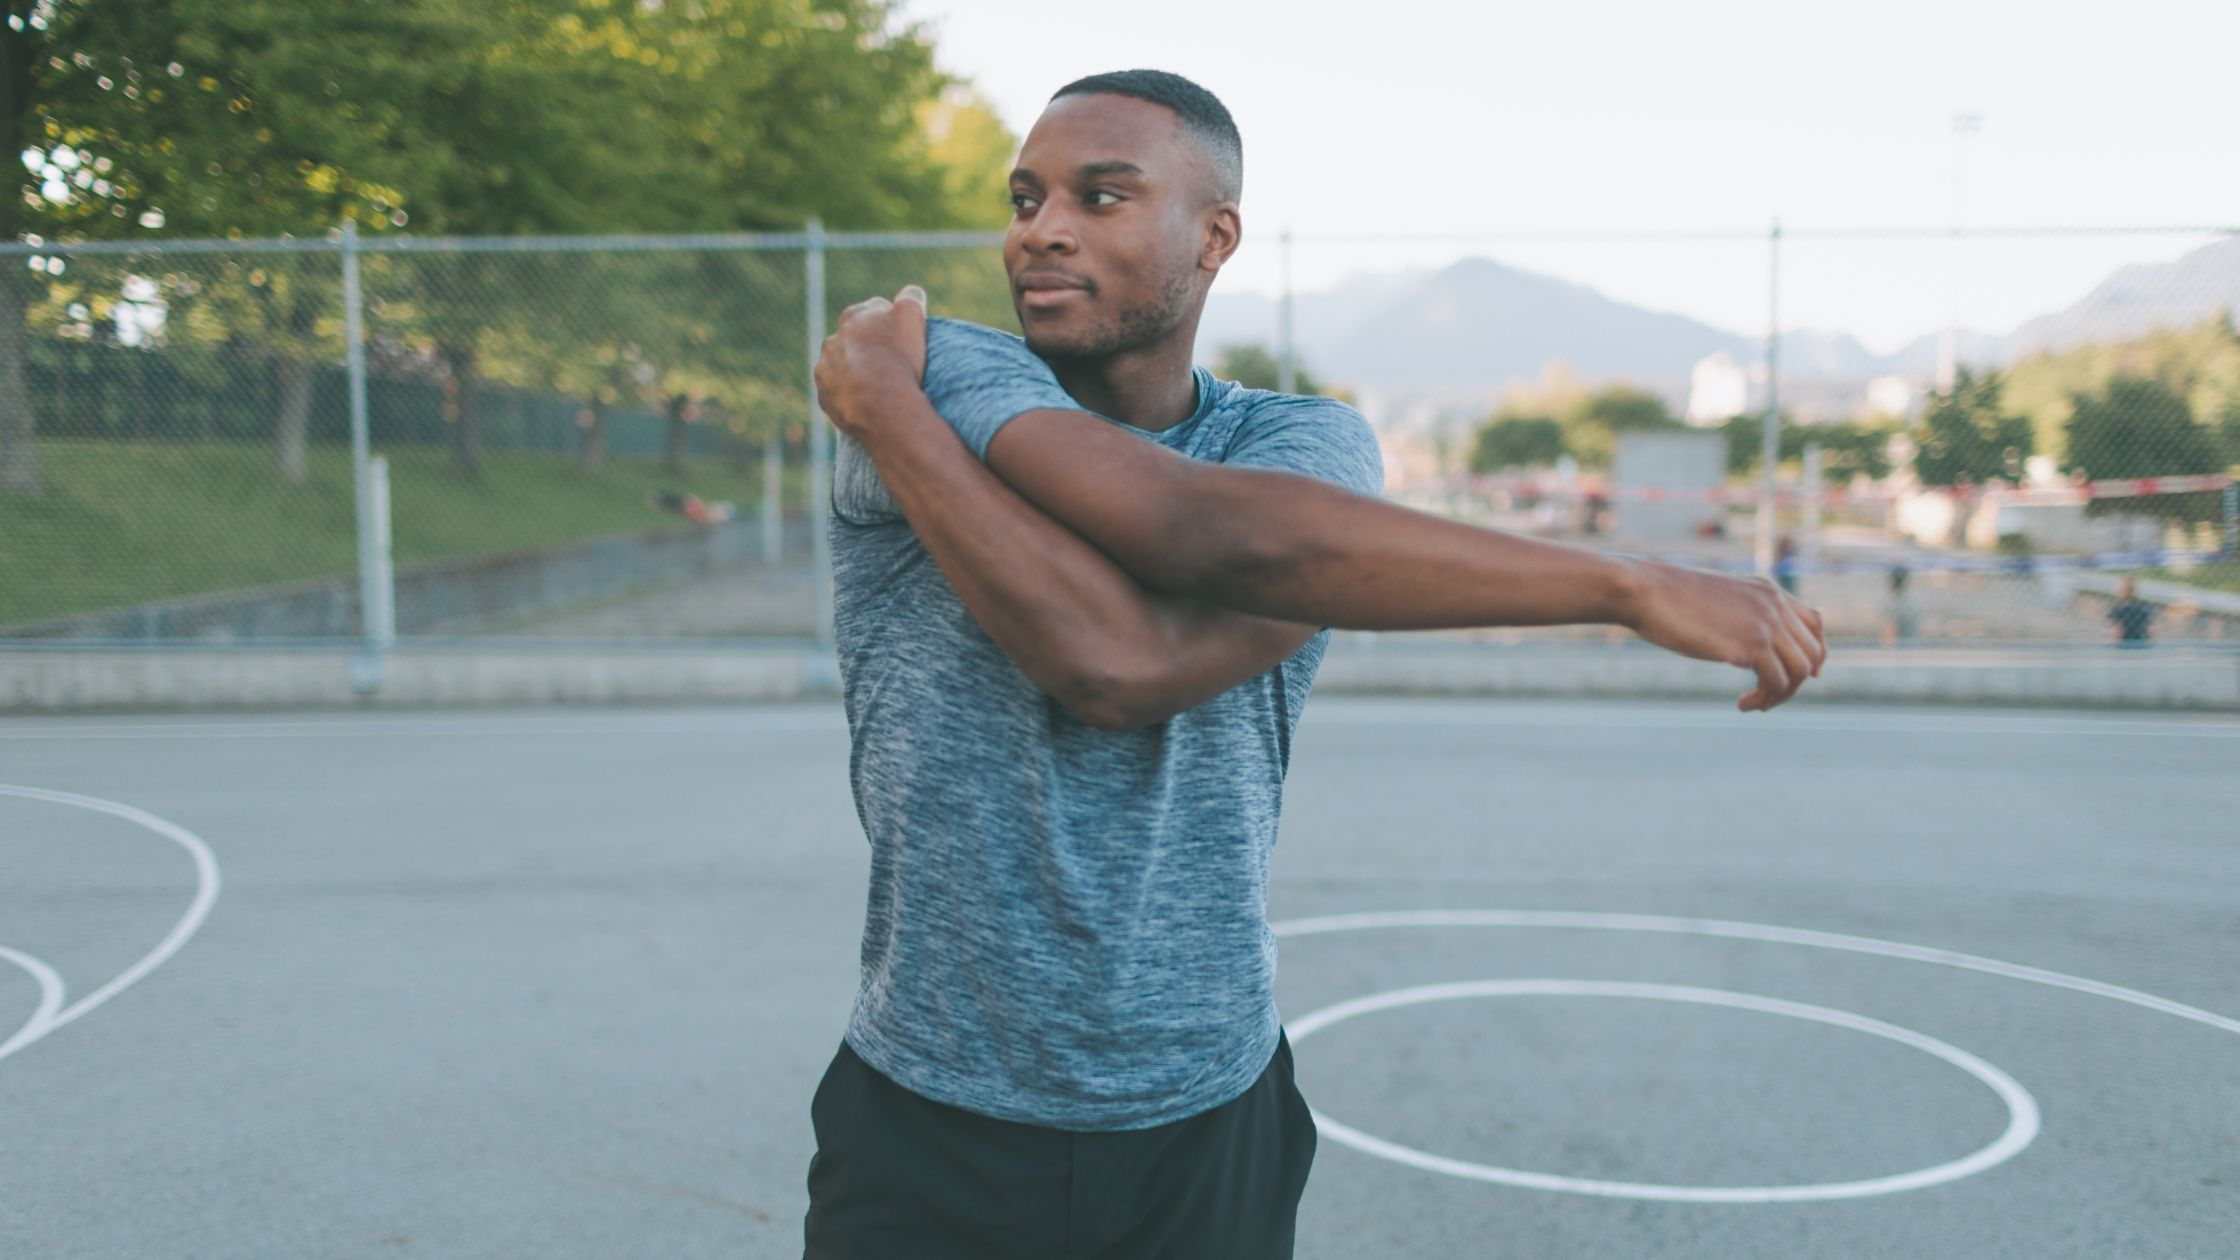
[[1747, 622], [880, 348]]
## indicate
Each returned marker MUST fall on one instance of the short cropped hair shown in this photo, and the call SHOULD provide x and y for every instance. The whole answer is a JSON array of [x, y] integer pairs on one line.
[[1205, 120]]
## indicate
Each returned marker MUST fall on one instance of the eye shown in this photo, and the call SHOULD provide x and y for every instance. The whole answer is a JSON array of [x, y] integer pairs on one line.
[[1022, 202], [1095, 193]]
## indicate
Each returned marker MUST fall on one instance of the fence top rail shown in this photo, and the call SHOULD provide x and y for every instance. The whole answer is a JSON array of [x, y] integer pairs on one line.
[[723, 241], [1759, 235], [615, 243]]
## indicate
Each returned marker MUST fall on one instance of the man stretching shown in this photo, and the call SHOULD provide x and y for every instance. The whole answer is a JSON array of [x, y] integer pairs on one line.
[[1081, 592]]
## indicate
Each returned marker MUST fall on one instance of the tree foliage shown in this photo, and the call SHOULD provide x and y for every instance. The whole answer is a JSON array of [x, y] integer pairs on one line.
[[2137, 426], [1968, 436], [1516, 441], [1592, 422], [261, 118], [2200, 363], [1254, 366]]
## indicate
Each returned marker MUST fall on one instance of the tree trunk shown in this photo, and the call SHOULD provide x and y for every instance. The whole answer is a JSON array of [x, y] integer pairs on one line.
[[20, 48], [594, 452], [672, 448], [19, 443], [294, 373], [294, 425], [459, 382]]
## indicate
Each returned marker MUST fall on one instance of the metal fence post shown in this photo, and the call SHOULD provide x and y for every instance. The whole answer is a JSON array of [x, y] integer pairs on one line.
[[1770, 446], [1808, 504], [374, 595], [820, 450], [771, 514], [1287, 362]]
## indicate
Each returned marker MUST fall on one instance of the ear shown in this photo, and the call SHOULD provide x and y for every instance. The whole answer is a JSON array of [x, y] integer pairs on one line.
[[1222, 232]]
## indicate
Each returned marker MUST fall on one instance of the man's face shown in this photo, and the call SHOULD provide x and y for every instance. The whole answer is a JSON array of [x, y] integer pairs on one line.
[[1109, 241]]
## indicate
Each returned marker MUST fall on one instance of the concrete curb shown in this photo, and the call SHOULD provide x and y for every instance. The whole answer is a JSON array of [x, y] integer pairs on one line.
[[2082, 677], [472, 674]]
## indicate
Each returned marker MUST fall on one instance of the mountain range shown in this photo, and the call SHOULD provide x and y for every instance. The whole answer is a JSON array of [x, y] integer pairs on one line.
[[1471, 329]]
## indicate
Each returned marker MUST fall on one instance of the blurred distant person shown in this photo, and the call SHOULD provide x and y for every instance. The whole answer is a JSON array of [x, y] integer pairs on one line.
[[2130, 614], [1081, 592], [1901, 612], [1785, 564], [692, 507]]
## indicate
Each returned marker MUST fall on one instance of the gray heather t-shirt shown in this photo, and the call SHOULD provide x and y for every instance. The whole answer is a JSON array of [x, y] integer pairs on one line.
[[1067, 926]]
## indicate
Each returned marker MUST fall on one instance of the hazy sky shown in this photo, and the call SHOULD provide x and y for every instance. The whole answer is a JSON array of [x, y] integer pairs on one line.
[[1459, 117]]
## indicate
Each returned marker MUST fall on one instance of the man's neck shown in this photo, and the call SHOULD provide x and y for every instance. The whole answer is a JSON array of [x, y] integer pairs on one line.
[[1151, 387]]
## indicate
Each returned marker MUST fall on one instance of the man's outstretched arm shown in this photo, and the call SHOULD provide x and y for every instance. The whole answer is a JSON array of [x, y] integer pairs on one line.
[[1285, 546], [1292, 548]]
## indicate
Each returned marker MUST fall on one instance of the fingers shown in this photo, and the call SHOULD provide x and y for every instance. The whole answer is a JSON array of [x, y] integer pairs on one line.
[[1796, 662], [1795, 653], [1773, 680], [912, 293], [1802, 624]]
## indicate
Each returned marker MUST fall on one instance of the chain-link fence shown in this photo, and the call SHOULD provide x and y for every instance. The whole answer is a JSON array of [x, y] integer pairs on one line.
[[1980, 436]]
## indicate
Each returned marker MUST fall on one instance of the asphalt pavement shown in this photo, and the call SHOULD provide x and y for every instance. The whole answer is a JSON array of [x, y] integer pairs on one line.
[[1577, 979]]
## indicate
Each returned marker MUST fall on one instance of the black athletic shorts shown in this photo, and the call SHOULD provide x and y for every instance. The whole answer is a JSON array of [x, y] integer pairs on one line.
[[898, 1176]]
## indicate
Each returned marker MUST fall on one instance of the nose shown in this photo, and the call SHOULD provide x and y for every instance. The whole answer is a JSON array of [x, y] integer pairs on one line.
[[1050, 231]]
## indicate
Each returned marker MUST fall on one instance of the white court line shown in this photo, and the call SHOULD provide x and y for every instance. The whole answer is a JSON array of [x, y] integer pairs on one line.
[[50, 999], [206, 892], [2022, 1109], [756, 723], [1745, 931]]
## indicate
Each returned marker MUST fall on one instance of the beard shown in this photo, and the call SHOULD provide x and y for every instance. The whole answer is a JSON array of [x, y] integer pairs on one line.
[[1117, 331]]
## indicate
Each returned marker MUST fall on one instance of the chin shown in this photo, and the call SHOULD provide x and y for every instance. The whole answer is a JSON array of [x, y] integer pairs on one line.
[[1060, 338]]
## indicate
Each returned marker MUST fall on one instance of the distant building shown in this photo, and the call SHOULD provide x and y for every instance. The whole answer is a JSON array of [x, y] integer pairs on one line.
[[1666, 485], [1718, 390], [1890, 396]]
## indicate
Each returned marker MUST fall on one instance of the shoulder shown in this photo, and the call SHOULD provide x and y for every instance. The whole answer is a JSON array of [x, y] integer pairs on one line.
[[956, 339], [1316, 435]]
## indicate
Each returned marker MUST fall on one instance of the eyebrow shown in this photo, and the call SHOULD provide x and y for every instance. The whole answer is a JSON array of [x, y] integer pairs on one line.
[[1087, 171]]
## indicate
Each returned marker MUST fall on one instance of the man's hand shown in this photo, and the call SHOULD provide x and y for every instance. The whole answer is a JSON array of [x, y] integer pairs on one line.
[[1746, 622], [879, 349]]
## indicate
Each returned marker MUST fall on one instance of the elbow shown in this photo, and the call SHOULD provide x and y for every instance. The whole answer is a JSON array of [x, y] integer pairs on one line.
[[1110, 697]]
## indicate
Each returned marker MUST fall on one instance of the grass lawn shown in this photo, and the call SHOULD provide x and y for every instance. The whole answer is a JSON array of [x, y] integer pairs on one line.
[[2222, 575], [126, 523]]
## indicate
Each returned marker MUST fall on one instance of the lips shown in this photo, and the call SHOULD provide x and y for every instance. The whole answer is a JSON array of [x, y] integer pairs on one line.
[[1050, 282]]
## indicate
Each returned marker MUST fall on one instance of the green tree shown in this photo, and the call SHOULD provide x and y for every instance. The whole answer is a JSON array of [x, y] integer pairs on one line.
[[1592, 422], [1515, 441], [2138, 426], [1254, 366], [2200, 362], [1847, 448], [1968, 436]]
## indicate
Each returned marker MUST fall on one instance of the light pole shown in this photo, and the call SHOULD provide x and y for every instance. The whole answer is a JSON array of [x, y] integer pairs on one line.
[[1965, 123]]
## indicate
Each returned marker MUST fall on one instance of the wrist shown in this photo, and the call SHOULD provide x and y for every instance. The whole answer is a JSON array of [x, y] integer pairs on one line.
[[899, 414], [1630, 579]]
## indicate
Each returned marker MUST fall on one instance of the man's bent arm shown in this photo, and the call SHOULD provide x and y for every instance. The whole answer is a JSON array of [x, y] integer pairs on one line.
[[1077, 625]]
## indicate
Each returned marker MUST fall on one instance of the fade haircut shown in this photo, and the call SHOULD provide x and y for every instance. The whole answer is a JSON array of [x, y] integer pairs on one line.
[[1205, 120]]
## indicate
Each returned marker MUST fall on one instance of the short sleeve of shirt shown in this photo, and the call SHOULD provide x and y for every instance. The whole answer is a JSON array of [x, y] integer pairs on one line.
[[980, 378], [1313, 437]]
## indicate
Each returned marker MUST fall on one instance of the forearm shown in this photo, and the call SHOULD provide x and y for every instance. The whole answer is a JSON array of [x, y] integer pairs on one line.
[[1286, 546], [1074, 622]]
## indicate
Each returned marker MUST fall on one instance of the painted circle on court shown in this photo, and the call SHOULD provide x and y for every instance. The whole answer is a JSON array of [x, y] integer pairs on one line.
[[1724, 928], [51, 1014], [2022, 1109]]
